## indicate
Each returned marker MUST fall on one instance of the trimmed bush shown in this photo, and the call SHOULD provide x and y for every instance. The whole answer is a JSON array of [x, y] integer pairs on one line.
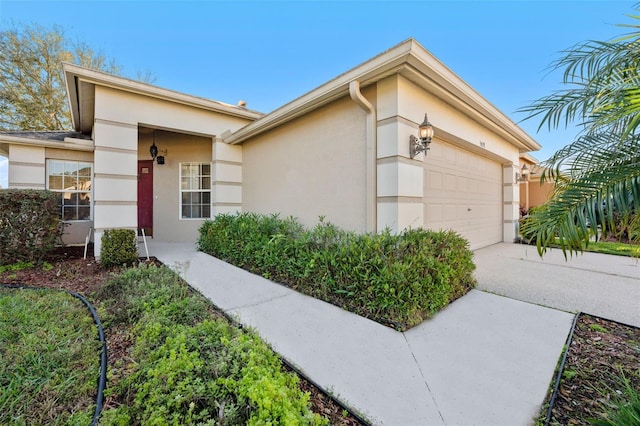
[[119, 247], [398, 280], [28, 224]]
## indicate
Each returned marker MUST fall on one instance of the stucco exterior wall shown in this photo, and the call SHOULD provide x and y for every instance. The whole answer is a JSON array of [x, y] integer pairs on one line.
[[116, 156], [179, 147], [539, 193], [313, 166], [403, 184], [26, 167]]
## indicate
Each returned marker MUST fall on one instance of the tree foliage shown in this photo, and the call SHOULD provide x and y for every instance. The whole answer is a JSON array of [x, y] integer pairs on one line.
[[32, 89], [599, 172]]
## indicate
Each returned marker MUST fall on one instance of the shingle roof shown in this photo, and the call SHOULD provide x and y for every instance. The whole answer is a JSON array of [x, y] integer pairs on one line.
[[58, 135]]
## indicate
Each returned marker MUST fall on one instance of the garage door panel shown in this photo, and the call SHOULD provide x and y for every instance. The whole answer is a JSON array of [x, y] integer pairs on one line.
[[463, 192]]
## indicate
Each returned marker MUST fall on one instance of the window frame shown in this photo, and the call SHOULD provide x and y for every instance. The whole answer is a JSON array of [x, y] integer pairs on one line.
[[62, 191], [181, 191]]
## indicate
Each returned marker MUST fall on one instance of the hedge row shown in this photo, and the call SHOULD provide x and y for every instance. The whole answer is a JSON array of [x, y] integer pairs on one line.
[[28, 224], [397, 280]]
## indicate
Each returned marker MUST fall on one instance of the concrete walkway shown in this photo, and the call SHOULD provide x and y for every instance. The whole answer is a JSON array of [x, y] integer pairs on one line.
[[485, 360], [599, 284]]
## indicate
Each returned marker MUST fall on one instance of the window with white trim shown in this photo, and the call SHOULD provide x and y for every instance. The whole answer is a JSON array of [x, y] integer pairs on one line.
[[195, 190], [71, 181]]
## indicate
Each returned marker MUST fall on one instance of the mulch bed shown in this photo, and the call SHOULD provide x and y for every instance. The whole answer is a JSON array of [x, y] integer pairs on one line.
[[600, 352], [71, 272]]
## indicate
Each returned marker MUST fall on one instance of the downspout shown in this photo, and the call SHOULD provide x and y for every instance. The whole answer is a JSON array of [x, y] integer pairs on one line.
[[371, 154]]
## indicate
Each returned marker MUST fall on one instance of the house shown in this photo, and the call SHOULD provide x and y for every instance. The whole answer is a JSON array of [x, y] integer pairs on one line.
[[533, 191], [341, 151]]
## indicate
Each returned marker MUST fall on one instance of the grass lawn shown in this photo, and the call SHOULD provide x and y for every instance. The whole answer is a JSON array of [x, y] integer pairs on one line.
[[49, 358], [616, 248], [172, 358]]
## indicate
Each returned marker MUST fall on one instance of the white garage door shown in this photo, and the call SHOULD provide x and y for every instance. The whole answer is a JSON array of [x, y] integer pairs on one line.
[[463, 192]]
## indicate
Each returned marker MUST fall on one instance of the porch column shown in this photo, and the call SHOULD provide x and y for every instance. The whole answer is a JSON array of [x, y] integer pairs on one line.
[[226, 177], [115, 180], [400, 178], [511, 201]]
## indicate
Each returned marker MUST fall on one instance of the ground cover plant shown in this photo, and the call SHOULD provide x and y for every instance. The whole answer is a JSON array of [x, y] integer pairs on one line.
[[49, 358], [190, 367], [600, 382], [182, 318], [397, 280]]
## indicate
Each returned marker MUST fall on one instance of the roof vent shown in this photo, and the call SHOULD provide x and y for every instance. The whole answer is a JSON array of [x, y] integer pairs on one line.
[[242, 104]]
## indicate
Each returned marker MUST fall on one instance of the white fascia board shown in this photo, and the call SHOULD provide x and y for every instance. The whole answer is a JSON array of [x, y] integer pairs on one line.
[[69, 143], [530, 158], [409, 57], [427, 64], [385, 64], [74, 74]]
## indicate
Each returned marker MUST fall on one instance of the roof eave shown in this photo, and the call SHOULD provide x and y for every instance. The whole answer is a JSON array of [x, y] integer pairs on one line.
[[408, 57], [68, 143], [385, 64], [75, 74]]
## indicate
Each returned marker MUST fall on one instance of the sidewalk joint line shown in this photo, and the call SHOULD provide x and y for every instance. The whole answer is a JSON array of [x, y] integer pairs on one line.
[[574, 267], [424, 379], [280, 296]]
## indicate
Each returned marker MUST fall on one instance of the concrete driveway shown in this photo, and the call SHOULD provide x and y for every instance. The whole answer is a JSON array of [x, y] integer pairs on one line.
[[599, 284]]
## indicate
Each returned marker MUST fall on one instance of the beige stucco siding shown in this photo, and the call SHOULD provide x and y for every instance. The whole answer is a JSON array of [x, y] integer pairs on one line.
[[118, 117], [462, 183], [176, 148], [414, 102], [26, 167], [314, 166], [539, 193], [171, 116]]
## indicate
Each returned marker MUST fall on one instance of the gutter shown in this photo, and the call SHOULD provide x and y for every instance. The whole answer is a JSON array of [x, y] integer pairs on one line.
[[68, 143], [371, 154]]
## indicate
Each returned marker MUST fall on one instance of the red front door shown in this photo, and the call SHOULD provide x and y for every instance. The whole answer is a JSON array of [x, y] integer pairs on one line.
[[145, 196]]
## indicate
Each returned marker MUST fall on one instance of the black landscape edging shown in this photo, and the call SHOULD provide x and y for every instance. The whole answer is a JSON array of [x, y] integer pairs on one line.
[[564, 357], [102, 380], [561, 369]]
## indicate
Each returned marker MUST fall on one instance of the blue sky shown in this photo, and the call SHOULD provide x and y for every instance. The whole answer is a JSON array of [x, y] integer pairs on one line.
[[271, 52]]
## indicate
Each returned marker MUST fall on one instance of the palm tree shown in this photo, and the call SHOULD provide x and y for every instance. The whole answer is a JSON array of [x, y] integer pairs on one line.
[[599, 172]]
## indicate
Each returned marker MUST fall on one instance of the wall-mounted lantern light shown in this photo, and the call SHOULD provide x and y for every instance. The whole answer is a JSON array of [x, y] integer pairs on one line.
[[421, 143], [523, 175], [153, 150]]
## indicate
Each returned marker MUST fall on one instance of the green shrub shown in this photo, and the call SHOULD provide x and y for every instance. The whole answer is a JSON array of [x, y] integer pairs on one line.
[[119, 247], [28, 224], [398, 280], [189, 368], [127, 297]]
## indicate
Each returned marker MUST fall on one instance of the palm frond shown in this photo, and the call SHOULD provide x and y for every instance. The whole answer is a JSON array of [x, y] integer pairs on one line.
[[577, 205]]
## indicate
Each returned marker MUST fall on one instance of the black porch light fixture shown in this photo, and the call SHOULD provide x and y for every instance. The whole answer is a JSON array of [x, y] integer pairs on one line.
[[421, 143], [153, 149]]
